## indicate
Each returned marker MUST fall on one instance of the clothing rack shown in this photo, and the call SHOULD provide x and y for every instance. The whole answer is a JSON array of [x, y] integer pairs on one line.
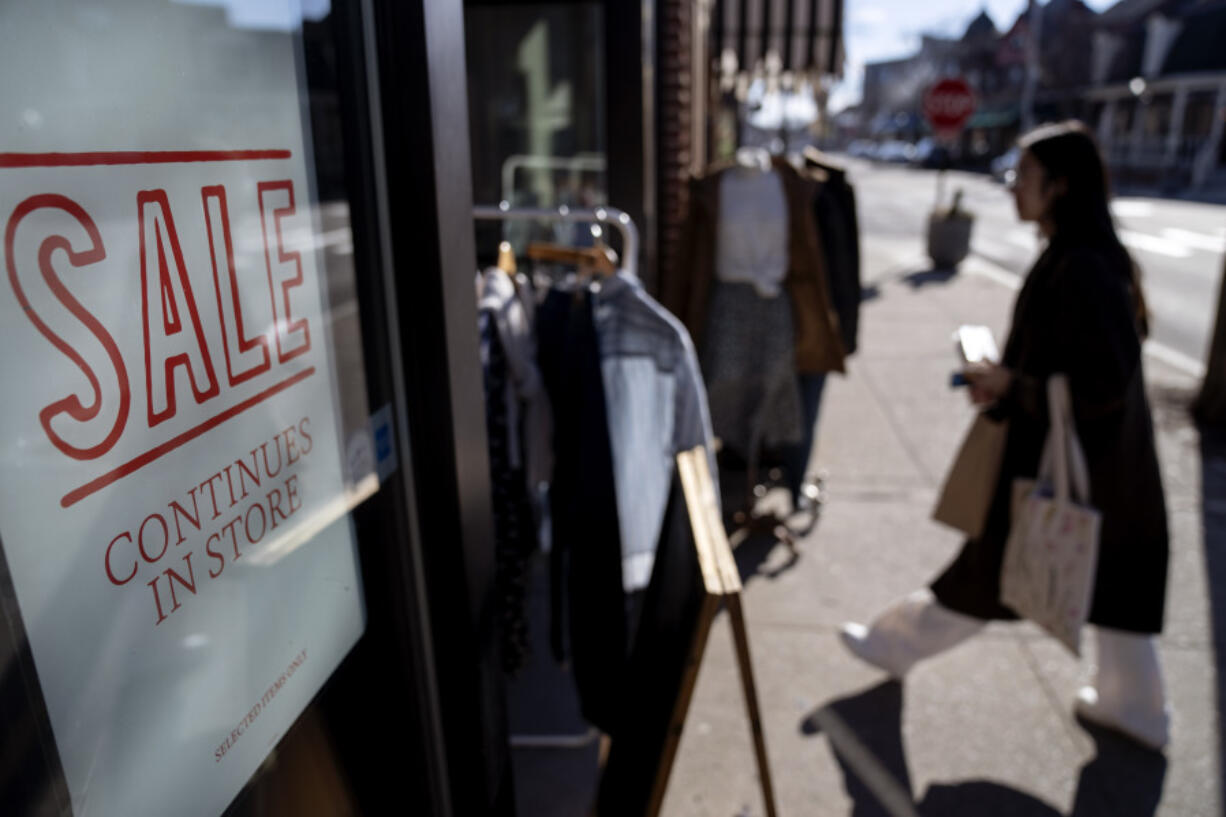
[[576, 166], [622, 222], [618, 219]]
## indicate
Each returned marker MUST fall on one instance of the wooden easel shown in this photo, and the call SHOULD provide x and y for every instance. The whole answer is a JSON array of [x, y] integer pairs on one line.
[[722, 581]]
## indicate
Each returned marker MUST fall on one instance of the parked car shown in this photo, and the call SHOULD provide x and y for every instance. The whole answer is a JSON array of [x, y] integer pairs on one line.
[[862, 148], [929, 153], [1004, 166], [896, 150]]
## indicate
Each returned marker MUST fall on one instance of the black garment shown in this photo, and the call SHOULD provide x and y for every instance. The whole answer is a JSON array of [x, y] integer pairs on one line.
[[589, 621], [1075, 315], [671, 612], [834, 208], [514, 530]]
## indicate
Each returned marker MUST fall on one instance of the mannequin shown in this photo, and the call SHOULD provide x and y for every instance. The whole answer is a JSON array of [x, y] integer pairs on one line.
[[752, 242], [748, 363], [752, 291]]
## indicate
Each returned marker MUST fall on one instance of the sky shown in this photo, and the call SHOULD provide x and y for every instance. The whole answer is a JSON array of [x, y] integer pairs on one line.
[[274, 15], [887, 29]]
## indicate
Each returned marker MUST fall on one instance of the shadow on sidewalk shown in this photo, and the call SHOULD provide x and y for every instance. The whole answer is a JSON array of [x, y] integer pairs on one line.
[[1213, 507], [865, 734], [929, 276], [755, 553]]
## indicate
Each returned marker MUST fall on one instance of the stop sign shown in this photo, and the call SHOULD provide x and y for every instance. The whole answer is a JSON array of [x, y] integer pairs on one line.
[[948, 104]]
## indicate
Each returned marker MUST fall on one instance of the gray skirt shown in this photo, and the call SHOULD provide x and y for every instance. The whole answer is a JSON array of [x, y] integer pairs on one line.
[[748, 363]]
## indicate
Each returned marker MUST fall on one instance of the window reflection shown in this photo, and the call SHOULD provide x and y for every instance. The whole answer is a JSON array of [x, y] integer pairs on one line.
[[536, 111]]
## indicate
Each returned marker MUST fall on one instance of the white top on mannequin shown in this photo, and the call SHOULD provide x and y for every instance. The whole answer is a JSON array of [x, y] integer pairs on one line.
[[751, 245]]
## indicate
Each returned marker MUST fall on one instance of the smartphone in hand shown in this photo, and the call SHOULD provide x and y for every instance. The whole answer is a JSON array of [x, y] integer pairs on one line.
[[973, 344]]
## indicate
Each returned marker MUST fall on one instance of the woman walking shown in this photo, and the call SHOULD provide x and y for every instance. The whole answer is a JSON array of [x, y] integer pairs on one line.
[[1081, 312]]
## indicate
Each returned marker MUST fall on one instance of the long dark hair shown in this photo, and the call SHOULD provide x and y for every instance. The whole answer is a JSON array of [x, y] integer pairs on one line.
[[1082, 213]]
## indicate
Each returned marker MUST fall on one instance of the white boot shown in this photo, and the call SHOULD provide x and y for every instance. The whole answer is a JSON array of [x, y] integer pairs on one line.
[[913, 629], [1128, 694]]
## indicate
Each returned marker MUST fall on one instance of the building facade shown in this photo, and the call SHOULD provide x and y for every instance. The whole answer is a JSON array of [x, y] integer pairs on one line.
[[1148, 75], [1158, 92]]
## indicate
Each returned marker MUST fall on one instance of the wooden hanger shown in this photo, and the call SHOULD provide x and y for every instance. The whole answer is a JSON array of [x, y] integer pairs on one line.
[[598, 259], [506, 258], [822, 160]]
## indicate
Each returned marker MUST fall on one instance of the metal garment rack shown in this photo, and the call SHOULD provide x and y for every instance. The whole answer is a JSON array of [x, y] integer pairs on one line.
[[576, 166], [622, 222], [618, 219]]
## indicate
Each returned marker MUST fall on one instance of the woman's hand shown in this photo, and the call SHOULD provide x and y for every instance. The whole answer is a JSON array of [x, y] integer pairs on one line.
[[989, 382]]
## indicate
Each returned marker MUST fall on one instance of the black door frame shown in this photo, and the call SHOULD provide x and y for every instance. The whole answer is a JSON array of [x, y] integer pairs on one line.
[[421, 169]]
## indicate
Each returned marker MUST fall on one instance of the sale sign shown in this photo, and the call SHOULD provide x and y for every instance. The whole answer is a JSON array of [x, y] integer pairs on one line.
[[173, 495]]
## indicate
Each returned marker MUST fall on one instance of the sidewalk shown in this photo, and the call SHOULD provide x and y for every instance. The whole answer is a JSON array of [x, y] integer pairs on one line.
[[985, 729]]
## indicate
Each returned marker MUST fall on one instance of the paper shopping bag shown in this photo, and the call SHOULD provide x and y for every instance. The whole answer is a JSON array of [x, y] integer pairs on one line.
[[970, 484], [1051, 556]]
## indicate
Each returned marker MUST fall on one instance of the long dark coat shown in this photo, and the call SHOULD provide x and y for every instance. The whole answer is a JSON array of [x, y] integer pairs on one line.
[[1075, 315]]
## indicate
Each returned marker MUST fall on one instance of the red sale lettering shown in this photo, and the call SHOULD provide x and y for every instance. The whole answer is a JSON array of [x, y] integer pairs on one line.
[[106, 412], [163, 299], [178, 510], [274, 506], [188, 584], [208, 483], [212, 344], [157, 599], [263, 524], [140, 540], [244, 526], [246, 357], [302, 429], [221, 560], [291, 491], [245, 473], [264, 450], [291, 446], [293, 336], [110, 574]]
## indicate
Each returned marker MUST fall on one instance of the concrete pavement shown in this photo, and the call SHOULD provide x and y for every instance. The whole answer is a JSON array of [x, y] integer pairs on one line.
[[985, 729]]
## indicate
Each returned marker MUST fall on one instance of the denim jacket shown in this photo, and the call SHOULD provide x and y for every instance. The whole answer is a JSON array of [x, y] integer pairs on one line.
[[656, 406]]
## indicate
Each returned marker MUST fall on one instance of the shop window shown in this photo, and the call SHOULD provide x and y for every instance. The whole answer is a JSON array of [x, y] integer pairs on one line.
[[1157, 116], [536, 90], [1198, 116], [186, 430]]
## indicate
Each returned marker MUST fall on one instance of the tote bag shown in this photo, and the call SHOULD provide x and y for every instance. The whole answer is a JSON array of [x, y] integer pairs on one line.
[[1052, 552], [970, 485]]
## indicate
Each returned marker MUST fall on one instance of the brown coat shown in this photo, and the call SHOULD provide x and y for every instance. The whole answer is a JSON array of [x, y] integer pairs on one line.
[[687, 293]]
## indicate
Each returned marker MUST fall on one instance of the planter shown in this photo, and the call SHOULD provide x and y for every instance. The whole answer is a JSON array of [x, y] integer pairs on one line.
[[949, 238]]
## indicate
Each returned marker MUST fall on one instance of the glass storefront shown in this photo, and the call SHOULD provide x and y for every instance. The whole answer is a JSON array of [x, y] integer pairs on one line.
[[208, 574]]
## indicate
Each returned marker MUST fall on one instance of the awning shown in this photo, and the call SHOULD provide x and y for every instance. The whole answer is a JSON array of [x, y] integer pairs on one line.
[[805, 35]]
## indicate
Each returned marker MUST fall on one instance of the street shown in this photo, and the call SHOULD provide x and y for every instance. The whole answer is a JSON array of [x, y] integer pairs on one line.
[[1178, 245]]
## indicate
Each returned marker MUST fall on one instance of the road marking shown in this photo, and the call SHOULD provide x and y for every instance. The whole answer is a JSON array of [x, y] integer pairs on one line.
[[1024, 239], [978, 265], [1175, 359], [1198, 241], [991, 248], [1186, 364], [1154, 244], [1132, 209]]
